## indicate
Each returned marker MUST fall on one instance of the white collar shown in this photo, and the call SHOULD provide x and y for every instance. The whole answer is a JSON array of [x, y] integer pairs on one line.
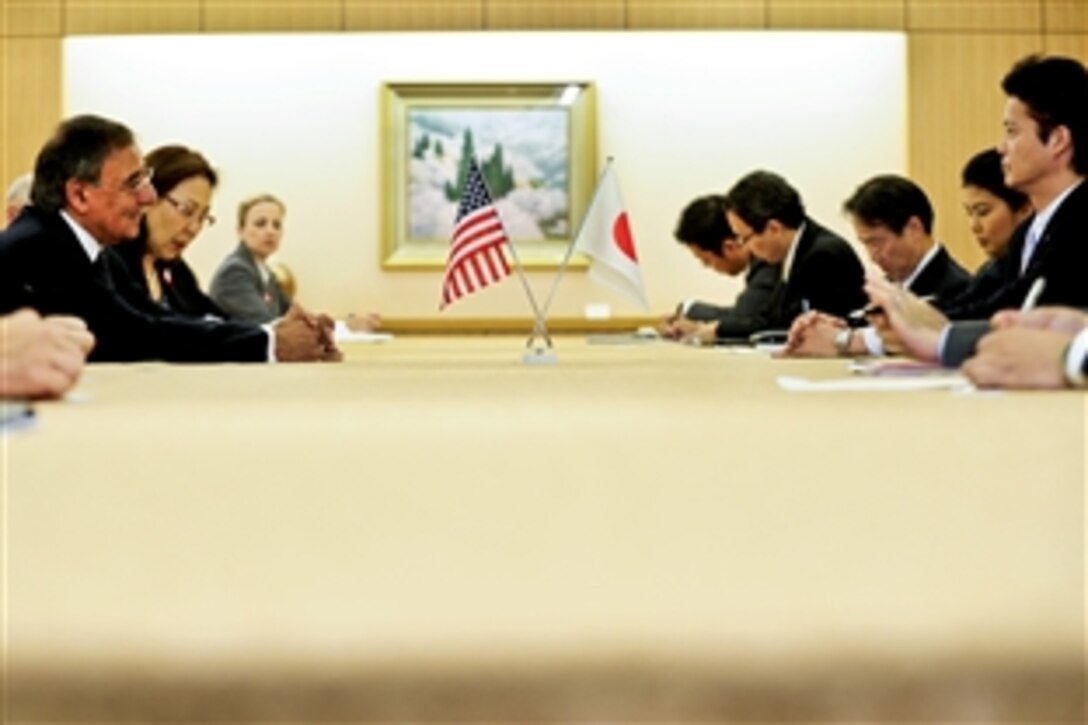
[[1043, 216], [86, 240], [787, 263]]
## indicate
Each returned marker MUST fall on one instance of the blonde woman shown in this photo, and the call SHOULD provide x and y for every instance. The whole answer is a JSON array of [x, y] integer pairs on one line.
[[244, 285]]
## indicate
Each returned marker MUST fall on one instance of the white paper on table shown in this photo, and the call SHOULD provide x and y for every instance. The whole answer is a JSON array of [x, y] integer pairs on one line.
[[951, 381], [341, 333]]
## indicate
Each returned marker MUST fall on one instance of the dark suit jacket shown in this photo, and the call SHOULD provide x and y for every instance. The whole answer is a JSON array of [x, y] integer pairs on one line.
[[740, 320], [1061, 258], [826, 274], [942, 278], [985, 282], [181, 292], [241, 292], [43, 266]]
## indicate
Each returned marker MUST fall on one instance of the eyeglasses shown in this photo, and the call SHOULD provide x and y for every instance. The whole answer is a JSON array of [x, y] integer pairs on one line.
[[191, 211], [133, 182], [137, 179]]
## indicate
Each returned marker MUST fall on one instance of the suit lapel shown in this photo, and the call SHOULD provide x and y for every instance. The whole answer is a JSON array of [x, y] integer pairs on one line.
[[1063, 215]]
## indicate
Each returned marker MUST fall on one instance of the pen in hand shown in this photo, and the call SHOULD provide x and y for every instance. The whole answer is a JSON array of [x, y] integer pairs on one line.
[[870, 310], [1033, 294]]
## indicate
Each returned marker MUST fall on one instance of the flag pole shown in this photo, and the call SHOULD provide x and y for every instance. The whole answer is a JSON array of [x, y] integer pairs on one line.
[[539, 320], [570, 248], [539, 327]]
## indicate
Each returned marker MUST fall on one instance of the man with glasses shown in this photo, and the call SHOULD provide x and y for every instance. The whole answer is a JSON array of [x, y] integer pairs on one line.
[[893, 220], [820, 270], [90, 191]]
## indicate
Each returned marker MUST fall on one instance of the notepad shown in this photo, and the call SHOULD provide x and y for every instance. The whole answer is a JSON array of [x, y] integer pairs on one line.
[[951, 381], [341, 333]]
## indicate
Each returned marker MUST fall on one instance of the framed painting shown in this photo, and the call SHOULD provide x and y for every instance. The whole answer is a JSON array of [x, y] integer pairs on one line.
[[535, 144]]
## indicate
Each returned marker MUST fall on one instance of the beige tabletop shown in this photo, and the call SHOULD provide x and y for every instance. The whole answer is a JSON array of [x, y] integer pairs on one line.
[[435, 530]]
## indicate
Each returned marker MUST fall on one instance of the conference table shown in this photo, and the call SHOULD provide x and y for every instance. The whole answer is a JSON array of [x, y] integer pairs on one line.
[[435, 529]]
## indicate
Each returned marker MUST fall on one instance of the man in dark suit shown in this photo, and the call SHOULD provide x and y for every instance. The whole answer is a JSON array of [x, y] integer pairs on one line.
[[90, 190], [1045, 155], [820, 271], [703, 229], [893, 220]]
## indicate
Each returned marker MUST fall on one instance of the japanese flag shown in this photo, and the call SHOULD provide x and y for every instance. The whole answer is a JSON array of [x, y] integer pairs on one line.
[[606, 238]]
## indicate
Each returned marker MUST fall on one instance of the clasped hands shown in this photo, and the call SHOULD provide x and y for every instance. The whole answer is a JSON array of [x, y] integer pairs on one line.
[[303, 336]]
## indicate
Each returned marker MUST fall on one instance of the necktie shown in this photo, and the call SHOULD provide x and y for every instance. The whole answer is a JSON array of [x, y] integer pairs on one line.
[[1030, 243], [102, 272]]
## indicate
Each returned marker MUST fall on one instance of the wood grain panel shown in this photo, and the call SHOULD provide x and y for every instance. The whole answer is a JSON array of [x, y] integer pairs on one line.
[[956, 106], [1066, 16], [6, 109], [975, 15], [554, 14], [696, 14], [30, 86], [30, 18], [414, 15], [95, 17], [1072, 45], [838, 14], [272, 15]]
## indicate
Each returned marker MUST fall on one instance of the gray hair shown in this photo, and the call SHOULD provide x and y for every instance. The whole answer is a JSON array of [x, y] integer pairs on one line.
[[19, 191]]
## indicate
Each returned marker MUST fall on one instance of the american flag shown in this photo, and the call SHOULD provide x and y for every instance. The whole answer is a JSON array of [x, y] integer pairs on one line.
[[476, 255]]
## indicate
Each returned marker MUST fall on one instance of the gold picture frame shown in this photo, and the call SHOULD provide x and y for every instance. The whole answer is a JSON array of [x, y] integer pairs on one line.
[[535, 143]]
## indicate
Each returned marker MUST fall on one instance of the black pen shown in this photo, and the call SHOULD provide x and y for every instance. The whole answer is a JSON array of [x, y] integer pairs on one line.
[[870, 310]]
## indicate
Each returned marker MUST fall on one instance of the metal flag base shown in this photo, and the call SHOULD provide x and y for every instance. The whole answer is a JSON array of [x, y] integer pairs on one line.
[[540, 356], [540, 353]]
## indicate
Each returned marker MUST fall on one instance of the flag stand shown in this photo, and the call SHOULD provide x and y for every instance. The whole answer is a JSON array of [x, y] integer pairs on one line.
[[538, 354], [539, 327]]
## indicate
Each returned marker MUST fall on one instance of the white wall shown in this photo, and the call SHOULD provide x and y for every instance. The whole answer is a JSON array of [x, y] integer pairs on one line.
[[682, 113]]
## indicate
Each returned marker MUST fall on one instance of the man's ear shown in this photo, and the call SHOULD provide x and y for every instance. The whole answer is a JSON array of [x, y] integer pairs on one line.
[[1060, 139], [75, 195]]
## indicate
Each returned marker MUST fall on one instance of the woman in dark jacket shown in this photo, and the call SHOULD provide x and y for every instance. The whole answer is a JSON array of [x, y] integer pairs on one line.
[[149, 270]]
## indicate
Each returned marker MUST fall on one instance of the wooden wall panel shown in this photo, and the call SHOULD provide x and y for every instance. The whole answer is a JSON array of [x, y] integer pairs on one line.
[[1075, 46], [955, 99], [30, 72], [838, 14], [95, 17], [6, 147], [956, 107], [236, 16], [1066, 16], [413, 15], [21, 18], [975, 15], [555, 14], [696, 14]]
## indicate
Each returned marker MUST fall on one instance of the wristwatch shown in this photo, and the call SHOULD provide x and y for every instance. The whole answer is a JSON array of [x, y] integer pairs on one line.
[[842, 340]]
